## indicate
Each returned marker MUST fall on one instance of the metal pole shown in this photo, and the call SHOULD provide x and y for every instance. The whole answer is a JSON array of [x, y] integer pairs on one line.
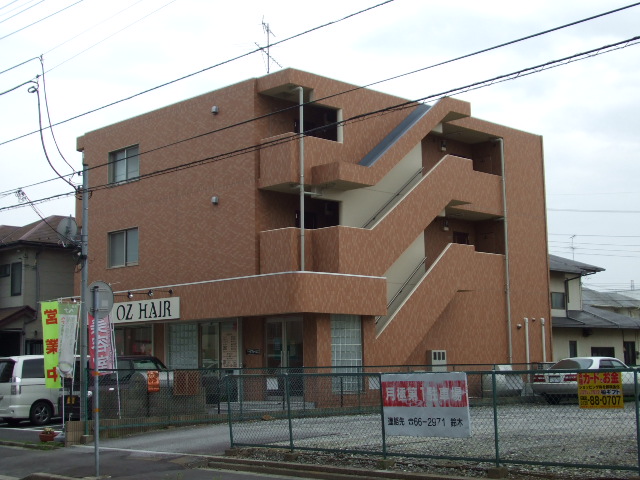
[[288, 395], [301, 132], [384, 430], [636, 394], [506, 250], [544, 342], [496, 441], [96, 382], [84, 296]]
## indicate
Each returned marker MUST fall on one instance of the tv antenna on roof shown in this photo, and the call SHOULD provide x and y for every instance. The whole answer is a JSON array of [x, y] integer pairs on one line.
[[267, 30]]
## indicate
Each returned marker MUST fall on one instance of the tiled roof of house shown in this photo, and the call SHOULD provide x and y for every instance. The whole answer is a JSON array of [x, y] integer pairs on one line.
[[592, 317], [608, 299], [42, 231], [559, 264]]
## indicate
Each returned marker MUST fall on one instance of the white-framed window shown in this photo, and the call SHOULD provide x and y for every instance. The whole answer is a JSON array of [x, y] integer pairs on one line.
[[123, 248], [124, 164], [346, 351], [557, 300]]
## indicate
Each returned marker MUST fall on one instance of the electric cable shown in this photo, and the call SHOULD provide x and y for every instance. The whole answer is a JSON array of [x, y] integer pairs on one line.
[[356, 88], [108, 37], [18, 65], [92, 27], [21, 11], [224, 62], [50, 128], [35, 89], [9, 4], [401, 106], [38, 21]]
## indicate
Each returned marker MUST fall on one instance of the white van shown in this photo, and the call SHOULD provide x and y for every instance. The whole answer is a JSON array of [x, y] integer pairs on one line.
[[23, 394]]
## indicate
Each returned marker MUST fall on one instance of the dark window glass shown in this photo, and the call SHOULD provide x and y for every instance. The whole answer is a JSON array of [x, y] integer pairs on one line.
[[16, 279], [33, 368], [6, 370], [557, 300]]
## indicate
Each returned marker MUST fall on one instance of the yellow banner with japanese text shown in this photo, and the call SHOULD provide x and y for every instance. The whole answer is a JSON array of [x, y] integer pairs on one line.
[[600, 390], [50, 334]]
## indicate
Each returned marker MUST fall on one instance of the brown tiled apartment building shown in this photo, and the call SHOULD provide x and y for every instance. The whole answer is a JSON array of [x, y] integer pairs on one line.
[[406, 258]]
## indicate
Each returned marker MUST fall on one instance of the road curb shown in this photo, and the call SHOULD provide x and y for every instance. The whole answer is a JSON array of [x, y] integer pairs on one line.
[[325, 472]]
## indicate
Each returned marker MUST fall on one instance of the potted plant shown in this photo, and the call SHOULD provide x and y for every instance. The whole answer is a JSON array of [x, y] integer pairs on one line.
[[48, 434]]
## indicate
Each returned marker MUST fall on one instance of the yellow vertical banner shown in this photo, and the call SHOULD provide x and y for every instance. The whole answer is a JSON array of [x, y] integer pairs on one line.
[[50, 333]]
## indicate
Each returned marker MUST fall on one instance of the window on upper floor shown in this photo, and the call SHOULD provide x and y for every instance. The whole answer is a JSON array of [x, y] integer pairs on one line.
[[16, 279], [123, 248], [558, 300], [5, 270], [124, 165]]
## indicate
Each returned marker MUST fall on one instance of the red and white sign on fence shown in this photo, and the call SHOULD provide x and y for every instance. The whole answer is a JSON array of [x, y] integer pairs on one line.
[[426, 404]]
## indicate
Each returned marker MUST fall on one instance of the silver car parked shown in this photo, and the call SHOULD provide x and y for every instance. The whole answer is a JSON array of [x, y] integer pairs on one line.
[[560, 381]]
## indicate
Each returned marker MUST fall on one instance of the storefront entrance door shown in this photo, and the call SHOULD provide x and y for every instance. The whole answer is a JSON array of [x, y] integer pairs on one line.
[[284, 353]]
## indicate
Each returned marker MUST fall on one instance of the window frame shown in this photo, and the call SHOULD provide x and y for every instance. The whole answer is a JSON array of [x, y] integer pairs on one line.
[[553, 303], [129, 158], [5, 270], [126, 253], [16, 279]]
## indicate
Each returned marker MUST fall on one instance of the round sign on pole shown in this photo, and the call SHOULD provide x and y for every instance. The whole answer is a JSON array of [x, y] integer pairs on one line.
[[104, 303]]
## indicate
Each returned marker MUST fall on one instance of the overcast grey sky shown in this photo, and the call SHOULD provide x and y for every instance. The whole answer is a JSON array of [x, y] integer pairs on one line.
[[98, 52]]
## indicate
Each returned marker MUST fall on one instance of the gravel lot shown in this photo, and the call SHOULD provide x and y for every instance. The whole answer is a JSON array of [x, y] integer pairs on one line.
[[527, 432]]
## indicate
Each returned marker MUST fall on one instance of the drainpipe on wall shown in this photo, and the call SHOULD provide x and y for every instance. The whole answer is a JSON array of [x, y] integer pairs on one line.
[[544, 342], [301, 143], [506, 250], [527, 354]]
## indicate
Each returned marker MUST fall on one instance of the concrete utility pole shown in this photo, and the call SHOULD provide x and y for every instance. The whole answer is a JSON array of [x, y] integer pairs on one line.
[[84, 294]]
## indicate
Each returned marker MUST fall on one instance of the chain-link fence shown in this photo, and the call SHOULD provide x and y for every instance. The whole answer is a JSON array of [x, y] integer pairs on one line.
[[519, 414], [510, 423]]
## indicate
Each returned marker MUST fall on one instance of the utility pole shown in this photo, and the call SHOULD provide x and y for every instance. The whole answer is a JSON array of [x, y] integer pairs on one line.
[[84, 294]]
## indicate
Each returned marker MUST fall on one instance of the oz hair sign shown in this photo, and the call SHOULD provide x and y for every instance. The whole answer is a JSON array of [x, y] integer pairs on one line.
[[146, 310]]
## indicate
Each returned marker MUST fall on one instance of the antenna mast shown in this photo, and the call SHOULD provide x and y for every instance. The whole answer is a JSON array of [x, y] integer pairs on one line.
[[269, 33]]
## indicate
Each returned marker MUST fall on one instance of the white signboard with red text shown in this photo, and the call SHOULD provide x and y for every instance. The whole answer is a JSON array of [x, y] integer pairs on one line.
[[426, 404]]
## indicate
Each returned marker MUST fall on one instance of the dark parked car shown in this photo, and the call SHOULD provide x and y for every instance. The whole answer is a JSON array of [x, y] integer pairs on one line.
[[131, 369]]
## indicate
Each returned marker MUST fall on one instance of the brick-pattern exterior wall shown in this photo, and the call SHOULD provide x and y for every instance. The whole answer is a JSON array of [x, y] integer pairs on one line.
[[239, 258]]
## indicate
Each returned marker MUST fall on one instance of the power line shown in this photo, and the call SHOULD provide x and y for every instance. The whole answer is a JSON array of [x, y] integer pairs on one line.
[[112, 35], [38, 21], [261, 49], [365, 86], [593, 235], [401, 106], [580, 210], [21, 11], [203, 70]]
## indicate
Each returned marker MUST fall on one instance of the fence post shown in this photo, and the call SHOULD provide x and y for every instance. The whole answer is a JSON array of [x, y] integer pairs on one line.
[[226, 388], [288, 397], [384, 432], [636, 392], [495, 416]]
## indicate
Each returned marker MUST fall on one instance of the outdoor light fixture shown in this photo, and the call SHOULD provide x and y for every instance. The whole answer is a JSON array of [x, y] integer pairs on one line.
[[130, 295], [443, 145], [150, 293]]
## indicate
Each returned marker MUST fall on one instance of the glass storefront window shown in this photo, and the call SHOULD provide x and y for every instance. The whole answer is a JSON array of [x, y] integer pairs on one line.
[[134, 340], [210, 345]]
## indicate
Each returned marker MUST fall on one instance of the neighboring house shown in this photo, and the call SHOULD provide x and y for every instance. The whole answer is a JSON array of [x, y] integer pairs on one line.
[[584, 322], [612, 301], [34, 266], [403, 257]]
